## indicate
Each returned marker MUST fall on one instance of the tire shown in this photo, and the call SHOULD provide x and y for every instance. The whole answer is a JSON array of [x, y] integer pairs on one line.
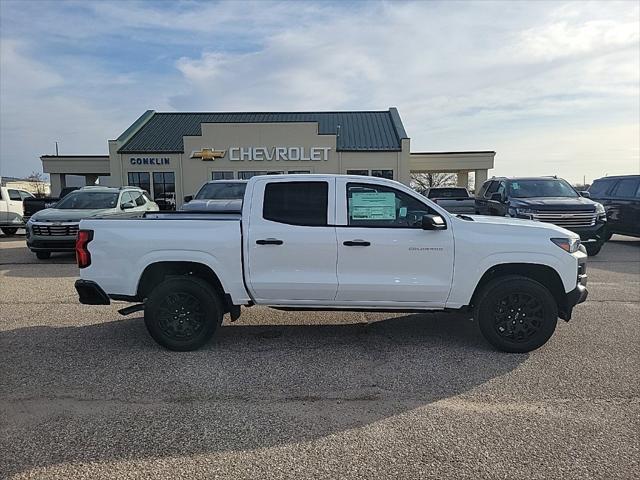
[[593, 248], [9, 231], [606, 236], [43, 255], [505, 301], [182, 313]]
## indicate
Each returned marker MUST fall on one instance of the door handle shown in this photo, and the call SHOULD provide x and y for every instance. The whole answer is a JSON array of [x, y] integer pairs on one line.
[[269, 241], [356, 243]]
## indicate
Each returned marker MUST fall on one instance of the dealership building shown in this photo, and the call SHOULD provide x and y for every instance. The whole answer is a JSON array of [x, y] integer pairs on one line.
[[172, 154]]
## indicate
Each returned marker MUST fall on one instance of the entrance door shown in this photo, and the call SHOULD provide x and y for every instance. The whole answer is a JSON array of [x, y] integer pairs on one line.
[[291, 247], [384, 256]]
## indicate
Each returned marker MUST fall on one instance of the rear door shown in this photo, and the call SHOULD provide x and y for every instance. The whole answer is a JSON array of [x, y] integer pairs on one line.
[[385, 258], [291, 241], [624, 199]]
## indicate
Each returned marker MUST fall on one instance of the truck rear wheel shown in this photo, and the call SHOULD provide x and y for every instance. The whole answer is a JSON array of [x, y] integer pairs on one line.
[[516, 314], [183, 313], [9, 231], [43, 255]]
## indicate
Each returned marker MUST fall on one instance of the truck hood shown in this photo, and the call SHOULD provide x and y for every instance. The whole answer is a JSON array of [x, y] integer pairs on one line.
[[226, 205], [64, 215], [482, 220], [555, 203]]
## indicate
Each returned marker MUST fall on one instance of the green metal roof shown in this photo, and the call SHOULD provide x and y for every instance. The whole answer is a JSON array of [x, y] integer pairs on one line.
[[356, 131]]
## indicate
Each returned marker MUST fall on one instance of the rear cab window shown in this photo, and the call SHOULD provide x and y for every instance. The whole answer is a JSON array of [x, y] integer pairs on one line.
[[296, 203]]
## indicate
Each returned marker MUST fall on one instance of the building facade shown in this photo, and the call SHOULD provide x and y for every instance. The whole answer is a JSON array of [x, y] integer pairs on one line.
[[172, 154]]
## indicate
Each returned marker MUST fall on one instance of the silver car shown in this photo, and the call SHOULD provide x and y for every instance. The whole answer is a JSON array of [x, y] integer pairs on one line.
[[54, 229]]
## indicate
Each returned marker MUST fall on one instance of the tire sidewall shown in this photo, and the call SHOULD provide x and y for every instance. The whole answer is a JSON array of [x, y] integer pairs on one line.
[[498, 289], [200, 289]]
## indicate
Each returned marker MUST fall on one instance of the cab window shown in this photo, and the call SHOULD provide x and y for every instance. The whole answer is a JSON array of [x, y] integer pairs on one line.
[[296, 203], [493, 188], [626, 188], [14, 195], [138, 198], [372, 205]]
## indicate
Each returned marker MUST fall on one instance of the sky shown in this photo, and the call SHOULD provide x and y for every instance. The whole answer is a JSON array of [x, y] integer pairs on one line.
[[552, 87]]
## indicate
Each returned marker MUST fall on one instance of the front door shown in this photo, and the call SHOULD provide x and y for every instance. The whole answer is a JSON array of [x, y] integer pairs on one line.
[[385, 258], [291, 241]]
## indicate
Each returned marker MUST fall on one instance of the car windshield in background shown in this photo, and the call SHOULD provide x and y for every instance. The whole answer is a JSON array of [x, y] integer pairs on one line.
[[222, 191], [540, 188], [88, 201]]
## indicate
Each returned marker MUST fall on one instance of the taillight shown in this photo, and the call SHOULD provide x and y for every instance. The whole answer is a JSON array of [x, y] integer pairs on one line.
[[83, 257]]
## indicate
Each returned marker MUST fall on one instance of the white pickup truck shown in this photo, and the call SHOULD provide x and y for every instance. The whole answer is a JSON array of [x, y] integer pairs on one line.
[[332, 242]]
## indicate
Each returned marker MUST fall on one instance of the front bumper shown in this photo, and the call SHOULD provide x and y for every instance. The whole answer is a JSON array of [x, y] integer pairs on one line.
[[90, 293], [594, 233], [577, 295], [47, 244]]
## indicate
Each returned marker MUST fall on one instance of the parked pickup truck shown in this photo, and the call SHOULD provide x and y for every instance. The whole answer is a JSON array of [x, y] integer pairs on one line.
[[35, 204], [217, 196], [332, 242], [11, 211], [452, 199]]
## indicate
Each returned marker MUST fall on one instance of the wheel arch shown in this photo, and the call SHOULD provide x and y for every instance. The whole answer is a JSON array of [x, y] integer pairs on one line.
[[157, 272], [543, 274]]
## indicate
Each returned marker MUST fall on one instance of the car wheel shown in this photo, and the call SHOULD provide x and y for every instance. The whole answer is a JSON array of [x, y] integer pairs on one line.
[[9, 231], [43, 255], [183, 313], [593, 248], [516, 314], [606, 236]]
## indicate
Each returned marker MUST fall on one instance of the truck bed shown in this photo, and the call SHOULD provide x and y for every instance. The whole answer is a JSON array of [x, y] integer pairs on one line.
[[121, 248]]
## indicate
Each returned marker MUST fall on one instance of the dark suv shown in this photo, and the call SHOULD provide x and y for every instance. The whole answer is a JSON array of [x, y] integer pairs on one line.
[[546, 199], [620, 196]]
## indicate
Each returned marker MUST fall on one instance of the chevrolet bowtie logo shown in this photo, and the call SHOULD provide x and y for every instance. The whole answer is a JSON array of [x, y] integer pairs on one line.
[[208, 154]]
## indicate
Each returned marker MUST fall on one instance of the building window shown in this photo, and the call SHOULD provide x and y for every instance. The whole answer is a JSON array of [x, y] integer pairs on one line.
[[139, 179], [296, 203], [297, 172], [382, 174], [248, 174], [164, 190], [358, 172], [221, 175]]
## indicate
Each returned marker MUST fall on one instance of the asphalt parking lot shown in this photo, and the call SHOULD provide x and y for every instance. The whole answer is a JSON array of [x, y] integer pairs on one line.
[[85, 393]]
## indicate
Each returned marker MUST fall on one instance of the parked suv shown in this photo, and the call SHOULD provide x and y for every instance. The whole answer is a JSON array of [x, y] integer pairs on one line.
[[54, 229], [546, 199], [11, 211], [620, 196]]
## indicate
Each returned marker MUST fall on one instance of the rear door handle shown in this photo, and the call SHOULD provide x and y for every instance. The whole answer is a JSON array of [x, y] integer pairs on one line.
[[269, 241], [356, 243]]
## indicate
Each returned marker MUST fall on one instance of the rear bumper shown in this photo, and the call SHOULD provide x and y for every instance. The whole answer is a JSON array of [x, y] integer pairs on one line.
[[90, 293]]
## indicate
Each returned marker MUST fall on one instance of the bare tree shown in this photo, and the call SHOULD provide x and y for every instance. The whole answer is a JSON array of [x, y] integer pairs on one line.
[[39, 184], [421, 181]]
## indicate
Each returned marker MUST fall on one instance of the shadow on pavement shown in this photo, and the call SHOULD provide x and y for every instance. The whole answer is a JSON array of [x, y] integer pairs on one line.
[[108, 392]]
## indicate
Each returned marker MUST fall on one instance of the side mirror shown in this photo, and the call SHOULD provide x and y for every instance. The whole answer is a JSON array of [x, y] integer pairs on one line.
[[128, 205], [433, 222], [188, 198], [496, 197], [585, 194]]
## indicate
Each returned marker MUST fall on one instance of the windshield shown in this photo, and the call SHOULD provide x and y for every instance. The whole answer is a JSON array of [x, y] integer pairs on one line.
[[222, 191], [88, 201], [550, 187]]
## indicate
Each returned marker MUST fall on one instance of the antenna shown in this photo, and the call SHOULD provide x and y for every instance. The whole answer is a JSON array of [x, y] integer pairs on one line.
[[57, 149]]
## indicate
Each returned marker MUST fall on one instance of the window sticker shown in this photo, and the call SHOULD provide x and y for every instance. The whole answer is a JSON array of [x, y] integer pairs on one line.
[[515, 186], [403, 212], [373, 206]]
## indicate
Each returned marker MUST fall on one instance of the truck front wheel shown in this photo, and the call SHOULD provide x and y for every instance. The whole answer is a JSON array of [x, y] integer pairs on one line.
[[516, 314], [183, 313]]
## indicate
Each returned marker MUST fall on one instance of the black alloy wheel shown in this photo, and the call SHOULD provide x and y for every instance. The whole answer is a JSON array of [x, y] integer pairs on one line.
[[183, 312], [516, 314]]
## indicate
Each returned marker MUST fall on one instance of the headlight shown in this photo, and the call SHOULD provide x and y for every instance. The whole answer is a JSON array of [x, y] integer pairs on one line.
[[522, 212], [569, 245], [601, 212]]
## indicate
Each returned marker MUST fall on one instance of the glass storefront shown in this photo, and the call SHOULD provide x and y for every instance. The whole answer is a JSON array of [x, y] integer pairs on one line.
[[164, 190], [140, 179]]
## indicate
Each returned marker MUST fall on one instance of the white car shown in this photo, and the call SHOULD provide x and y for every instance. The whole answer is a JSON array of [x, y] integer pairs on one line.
[[11, 210], [333, 242]]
